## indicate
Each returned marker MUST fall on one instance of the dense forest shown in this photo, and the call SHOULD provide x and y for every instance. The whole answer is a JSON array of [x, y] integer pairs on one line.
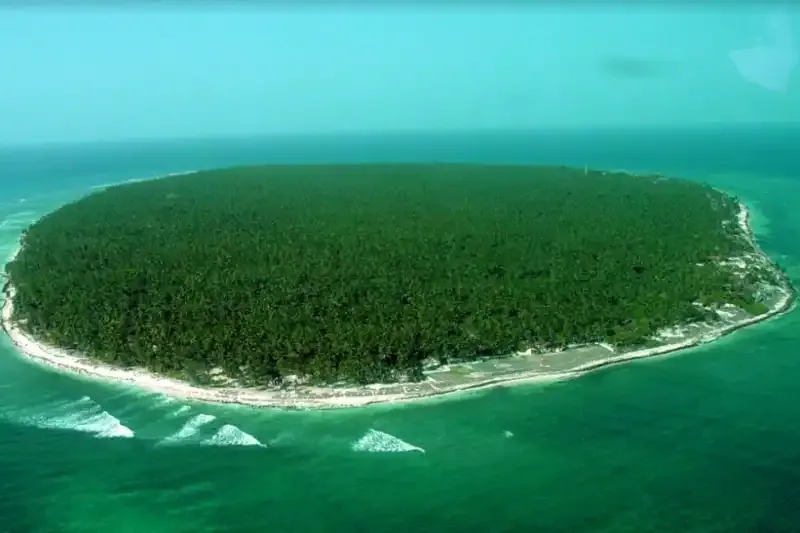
[[367, 272]]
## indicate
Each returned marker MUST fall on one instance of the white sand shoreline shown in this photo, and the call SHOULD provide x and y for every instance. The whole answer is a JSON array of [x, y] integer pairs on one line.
[[332, 398]]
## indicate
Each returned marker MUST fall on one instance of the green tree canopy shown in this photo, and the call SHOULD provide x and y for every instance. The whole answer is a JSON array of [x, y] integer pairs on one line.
[[365, 272]]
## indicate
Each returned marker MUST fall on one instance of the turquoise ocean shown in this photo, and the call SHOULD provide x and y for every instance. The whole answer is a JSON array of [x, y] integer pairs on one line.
[[706, 440]]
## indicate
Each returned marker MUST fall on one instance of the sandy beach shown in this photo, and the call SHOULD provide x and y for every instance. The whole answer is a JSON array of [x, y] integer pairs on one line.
[[338, 397]]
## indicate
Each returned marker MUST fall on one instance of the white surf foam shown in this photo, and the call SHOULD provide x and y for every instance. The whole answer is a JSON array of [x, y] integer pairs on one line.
[[137, 180], [17, 221], [378, 441], [114, 183], [84, 415], [182, 173], [190, 428], [229, 435], [162, 399], [21, 215], [180, 410]]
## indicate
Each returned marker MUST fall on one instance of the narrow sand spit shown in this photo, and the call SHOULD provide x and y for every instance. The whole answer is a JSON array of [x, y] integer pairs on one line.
[[321, 398]]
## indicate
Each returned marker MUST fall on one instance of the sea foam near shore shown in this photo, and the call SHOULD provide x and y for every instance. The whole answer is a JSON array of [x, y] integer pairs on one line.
[[83, 415]]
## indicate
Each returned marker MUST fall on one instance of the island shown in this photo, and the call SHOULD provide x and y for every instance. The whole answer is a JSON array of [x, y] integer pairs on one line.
[[318, 286]]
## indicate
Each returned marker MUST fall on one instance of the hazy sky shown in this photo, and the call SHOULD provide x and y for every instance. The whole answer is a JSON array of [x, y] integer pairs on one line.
[[78, 74]]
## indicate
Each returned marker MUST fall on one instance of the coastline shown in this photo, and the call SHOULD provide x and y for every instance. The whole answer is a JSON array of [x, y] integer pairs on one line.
[[328, 398]]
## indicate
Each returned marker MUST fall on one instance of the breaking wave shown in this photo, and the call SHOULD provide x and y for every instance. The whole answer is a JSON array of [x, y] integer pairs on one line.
[[84, 415], [229, 435], [378, 441], [180, 410], [163, 399], [17, 221], [189, 429]]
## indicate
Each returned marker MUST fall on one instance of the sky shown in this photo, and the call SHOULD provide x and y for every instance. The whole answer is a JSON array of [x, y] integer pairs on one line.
[[76, 74]]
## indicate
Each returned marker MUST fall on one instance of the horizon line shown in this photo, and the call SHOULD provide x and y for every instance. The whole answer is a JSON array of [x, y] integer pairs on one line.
[[148, 140]]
